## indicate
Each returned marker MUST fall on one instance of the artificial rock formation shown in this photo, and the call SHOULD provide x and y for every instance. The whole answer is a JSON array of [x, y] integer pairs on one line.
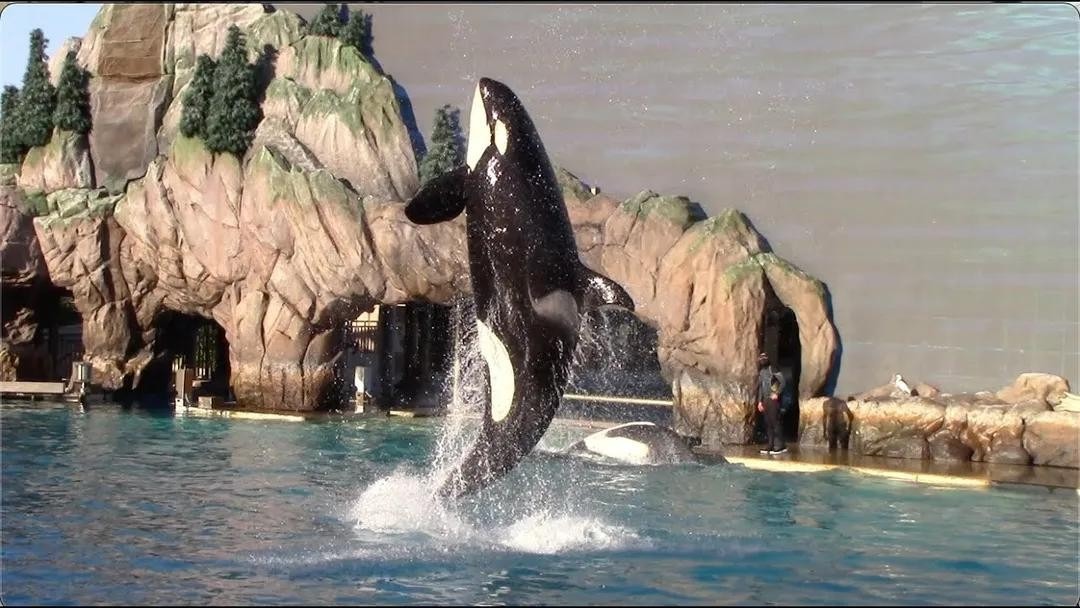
[[62, 163], [983, 427], [307, 230]]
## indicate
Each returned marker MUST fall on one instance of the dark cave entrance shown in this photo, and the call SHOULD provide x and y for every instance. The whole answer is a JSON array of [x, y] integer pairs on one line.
[[781, 343], [57, 342], [406, 350], [188, 341]]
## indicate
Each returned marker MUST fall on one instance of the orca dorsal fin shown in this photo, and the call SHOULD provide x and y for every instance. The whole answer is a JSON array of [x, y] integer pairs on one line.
[[597, 290], [441, 199]]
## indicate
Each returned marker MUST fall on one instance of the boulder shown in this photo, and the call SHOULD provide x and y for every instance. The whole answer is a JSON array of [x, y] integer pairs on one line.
[[812, 415], [64, 162], [947, 443], [995, 435], [1053, 438], [714, 411], [1045, 388], [895, 429], [928, 391]]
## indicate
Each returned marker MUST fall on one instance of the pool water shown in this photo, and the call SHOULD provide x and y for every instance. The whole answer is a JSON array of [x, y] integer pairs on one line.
[[133, 506]]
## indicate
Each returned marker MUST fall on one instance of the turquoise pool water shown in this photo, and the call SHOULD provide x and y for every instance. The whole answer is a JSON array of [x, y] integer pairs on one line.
[[132, 506]]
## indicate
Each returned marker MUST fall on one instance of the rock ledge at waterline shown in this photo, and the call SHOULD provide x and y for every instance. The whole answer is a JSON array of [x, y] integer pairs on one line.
[[283, 246]]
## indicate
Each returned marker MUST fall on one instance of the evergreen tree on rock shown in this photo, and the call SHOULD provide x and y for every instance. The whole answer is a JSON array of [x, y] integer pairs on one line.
[[357, 32], [11, 148], [72, 97], [197, 98], [327, 22], [446, 151], [37, 101], [233, 113]]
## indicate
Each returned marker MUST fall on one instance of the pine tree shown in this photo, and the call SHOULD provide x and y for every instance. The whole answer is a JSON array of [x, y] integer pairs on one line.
[[197, 98], [446, 151], [233, 113], [357, 32], [11, 148], [38, 97], [327, 22], [72, 97]]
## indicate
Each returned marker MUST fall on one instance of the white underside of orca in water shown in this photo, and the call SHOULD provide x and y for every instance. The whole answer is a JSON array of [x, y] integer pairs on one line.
[[619, 448], [637, 443]]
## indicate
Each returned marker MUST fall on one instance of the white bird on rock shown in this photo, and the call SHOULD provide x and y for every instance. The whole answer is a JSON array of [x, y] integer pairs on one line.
[[900, 385]]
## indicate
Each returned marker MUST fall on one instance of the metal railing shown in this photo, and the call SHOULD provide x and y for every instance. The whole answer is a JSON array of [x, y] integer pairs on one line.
[[362, 335], [615, 399]]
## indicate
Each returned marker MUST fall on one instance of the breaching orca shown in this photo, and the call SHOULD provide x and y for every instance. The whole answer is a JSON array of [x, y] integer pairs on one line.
[[528, 283], [637, 443]]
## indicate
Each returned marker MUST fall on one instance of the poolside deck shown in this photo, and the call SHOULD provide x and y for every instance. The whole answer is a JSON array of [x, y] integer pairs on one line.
[[938, 473], [34, 391]]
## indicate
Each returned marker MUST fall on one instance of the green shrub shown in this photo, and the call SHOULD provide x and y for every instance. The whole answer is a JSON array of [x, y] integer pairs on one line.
[[327, 22], [233, 113], [11, 148], [446, 151], [197, 98], [73, 97], [357, 32], [37, 101]]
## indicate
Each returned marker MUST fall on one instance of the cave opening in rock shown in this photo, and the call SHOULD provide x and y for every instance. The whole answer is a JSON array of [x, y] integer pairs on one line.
[[616, 357], [781, 344], [405, 349], [189, 341], [53, 335]]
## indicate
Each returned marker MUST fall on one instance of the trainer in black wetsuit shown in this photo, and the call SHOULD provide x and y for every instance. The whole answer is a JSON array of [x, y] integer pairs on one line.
[[769, 387]]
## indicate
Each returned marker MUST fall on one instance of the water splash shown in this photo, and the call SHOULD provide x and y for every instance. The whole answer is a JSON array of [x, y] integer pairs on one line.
[[533, 513], [399, 513]]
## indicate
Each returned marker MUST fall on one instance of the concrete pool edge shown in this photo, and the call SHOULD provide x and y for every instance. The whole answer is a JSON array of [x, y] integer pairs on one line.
[[950, 474]]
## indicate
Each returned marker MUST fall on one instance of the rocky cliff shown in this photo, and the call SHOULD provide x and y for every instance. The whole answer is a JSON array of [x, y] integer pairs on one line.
[[283, 246]]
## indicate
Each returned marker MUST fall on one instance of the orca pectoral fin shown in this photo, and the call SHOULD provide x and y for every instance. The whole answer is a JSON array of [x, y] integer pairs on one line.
[[440, 200], [598, 290]]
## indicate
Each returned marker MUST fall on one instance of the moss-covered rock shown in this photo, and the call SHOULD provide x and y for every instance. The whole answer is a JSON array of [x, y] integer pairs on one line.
[[318, 62], [573, 188], [676, 209], [360, 136], [8, 174], [34, 203], [285, 100], [63, 207], [278, 29]]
